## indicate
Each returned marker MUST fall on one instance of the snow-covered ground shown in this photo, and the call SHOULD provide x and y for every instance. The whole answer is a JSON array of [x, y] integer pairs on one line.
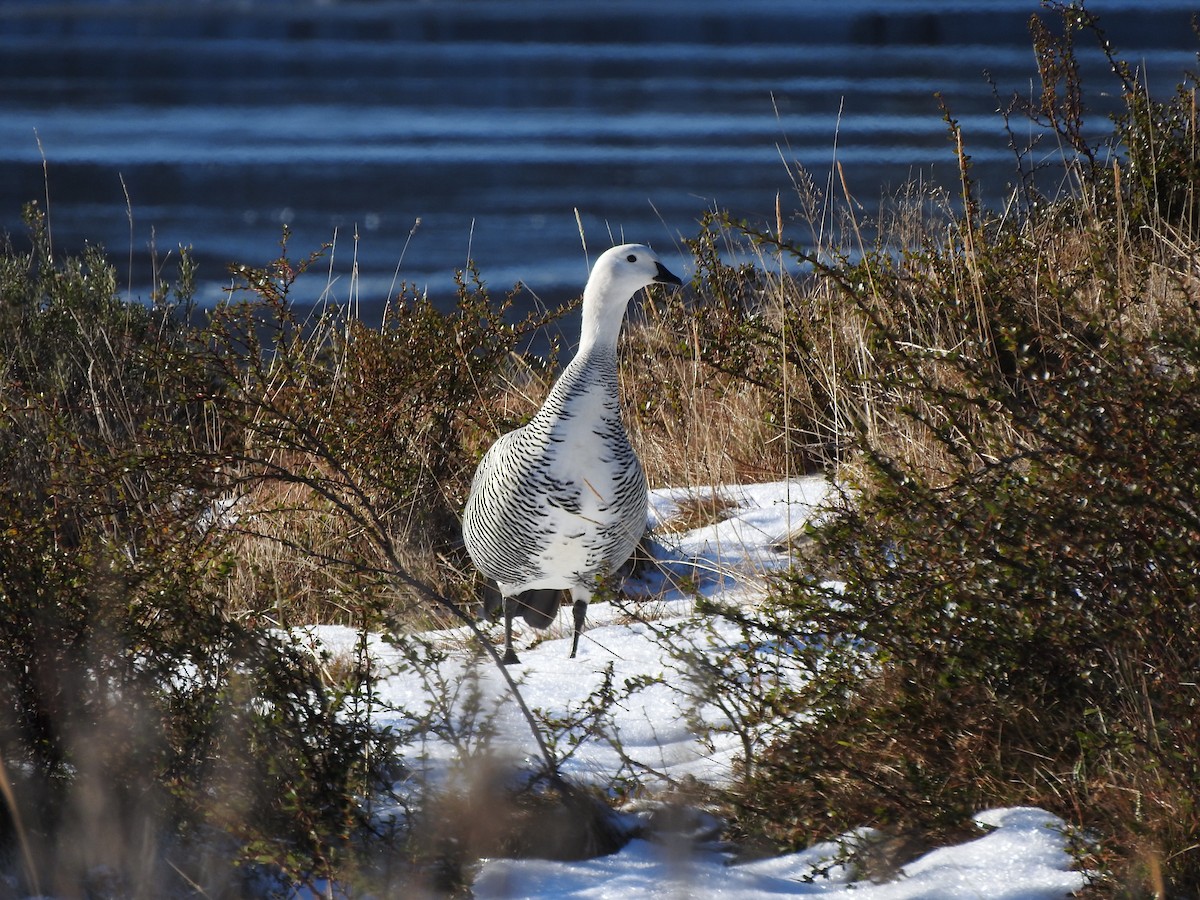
[[649, 735], [1021, 858]]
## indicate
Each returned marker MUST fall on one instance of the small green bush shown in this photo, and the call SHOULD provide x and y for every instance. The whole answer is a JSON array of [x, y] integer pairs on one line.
[[1013, 574], [139, 718]]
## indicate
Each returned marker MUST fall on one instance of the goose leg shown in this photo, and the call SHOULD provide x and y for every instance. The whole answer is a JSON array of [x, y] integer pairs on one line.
[[510, 610], [581, 598]]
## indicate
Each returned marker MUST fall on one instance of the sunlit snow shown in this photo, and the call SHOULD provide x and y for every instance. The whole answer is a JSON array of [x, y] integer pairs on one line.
[[1020, 854]]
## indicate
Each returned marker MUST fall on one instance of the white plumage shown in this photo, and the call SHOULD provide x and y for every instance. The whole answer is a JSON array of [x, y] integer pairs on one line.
[[561, 502]]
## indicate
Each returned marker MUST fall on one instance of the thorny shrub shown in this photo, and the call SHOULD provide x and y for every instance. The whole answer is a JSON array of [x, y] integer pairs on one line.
[[1013, 572], [138, 717]]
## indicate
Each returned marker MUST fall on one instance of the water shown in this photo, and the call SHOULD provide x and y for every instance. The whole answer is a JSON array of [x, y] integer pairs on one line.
[[493, 123]]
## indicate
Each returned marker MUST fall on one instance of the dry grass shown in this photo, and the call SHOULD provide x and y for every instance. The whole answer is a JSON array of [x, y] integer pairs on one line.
[[294, 559], [691, 425], [698, 510]]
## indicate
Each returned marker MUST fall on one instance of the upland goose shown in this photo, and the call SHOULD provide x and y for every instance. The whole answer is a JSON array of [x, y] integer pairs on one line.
[[561, 502]]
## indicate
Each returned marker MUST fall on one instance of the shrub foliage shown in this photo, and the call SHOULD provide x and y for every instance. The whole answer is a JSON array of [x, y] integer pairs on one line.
[[1013, 572], [135, 706]]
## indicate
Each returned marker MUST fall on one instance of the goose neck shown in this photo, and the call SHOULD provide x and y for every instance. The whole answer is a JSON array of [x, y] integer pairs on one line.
[[602, 318]]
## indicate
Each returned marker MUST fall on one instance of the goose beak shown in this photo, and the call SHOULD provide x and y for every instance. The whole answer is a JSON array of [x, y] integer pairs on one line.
[[664, 275]]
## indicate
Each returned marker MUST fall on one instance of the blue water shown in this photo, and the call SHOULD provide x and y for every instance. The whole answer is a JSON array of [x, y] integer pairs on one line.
[[493, 123]]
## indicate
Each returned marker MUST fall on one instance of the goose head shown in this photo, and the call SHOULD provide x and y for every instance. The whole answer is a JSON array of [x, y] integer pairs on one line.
[[618, 274]]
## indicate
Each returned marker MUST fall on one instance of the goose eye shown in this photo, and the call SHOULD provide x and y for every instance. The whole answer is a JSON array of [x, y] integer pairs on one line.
[[631, 258]]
